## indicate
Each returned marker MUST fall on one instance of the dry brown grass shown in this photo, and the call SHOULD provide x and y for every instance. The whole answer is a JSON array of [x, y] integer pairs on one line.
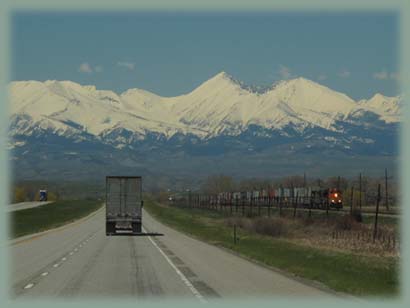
[[344, 234], [274, 227]]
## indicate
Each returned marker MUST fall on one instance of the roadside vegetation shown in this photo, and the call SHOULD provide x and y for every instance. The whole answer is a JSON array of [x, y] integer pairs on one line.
[[50, 216], [302, 246], [28, 190]]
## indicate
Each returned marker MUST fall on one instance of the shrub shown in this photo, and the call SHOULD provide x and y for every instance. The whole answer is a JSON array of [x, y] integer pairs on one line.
[[19, 194], [251, 215], [270, 226], [346, 222], [357, 215], [240, 222]]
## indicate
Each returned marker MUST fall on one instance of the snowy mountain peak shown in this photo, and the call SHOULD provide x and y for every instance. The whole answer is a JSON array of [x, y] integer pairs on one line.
[[219, 106], [223, 75], [222, 78]]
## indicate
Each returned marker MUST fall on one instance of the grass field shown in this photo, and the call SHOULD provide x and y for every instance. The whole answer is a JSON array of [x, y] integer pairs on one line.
[[368, 218], [344, 272], [50, 216]]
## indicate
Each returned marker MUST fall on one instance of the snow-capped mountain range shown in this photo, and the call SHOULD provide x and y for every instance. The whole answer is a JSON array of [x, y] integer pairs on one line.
[[64, 129], [220, 106]]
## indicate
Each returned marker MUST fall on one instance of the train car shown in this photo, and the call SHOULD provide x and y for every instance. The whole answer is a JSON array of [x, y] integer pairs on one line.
[[264, 193], [236, 195], [283, 192]]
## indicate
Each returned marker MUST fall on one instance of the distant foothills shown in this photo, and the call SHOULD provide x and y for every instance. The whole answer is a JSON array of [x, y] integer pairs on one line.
[[61, 129]]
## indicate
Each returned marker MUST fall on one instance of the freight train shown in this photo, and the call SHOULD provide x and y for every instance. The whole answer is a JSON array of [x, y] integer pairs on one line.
[[307, 197]]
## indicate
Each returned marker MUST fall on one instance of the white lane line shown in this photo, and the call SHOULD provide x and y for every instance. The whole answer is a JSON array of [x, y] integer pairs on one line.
[[180, 274], [44, 274], [75, 249], [63, 259], [29, 286], [56, 265], [71, 253]]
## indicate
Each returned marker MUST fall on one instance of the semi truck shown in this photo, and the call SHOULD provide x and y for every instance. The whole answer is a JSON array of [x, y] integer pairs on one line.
[[123, 205], [43, 195]]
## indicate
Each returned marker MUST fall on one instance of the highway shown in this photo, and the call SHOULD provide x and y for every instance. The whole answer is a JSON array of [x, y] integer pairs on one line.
[[78, 260], [25, 205]]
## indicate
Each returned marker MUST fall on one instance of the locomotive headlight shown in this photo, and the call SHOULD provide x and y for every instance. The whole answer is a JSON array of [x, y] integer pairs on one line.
[[333, 201], [336, 195]]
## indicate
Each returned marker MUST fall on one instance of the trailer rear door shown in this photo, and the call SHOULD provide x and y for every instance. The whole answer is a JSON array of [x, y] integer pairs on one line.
[[124, 195]]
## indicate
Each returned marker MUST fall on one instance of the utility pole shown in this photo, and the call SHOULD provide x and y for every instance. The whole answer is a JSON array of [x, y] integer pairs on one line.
[[351, 201], [304, 179], [386, 189], [360, 190], [377, 214]]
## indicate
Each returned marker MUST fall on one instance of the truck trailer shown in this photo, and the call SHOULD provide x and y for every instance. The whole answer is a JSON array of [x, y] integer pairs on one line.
[[123, 205]]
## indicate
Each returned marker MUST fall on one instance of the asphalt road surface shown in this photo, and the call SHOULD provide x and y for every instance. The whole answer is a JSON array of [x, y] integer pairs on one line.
[[25, 205], [80, 261]]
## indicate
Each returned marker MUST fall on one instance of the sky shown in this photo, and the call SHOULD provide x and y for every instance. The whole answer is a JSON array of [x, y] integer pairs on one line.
[[171, 53]]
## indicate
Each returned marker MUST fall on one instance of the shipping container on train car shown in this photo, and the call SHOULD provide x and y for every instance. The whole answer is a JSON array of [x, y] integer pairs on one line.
[[263, 193], [303, 195], [243, 195], [255, 194], [236, 195]]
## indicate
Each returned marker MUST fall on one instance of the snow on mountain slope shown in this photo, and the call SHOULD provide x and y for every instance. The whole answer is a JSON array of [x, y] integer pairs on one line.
[[54, 104], [220, 106], [215, 105], [389, 108], [311, 102]]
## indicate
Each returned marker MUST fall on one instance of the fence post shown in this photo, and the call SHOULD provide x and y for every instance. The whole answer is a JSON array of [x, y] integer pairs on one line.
[[234, 234], [236, 204], [295, 205], [259, 206], [327, 207], [377, 213], [280, 206]]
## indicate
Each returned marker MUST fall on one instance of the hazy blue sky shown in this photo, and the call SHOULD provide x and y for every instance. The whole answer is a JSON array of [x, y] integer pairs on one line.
[[172, 53]]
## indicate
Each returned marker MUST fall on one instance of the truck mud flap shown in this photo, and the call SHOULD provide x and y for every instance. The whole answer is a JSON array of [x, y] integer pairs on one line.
[[130, 233], [110, 228]]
